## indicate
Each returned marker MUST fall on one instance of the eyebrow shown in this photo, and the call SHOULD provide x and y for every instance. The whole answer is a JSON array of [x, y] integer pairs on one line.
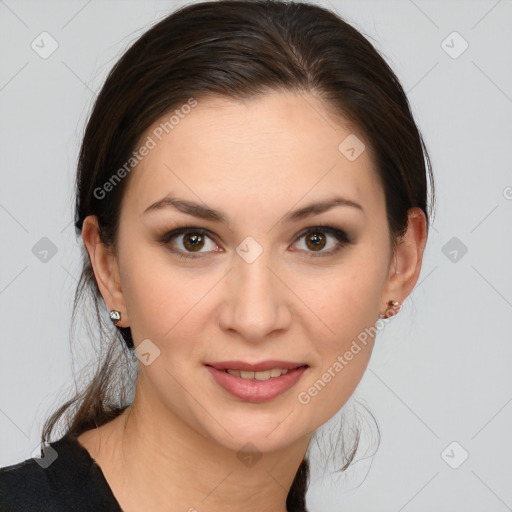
[[203, 212]]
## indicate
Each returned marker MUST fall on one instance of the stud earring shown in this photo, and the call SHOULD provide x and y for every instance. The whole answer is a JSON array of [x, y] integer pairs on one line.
[[115, 316], [395, 307]]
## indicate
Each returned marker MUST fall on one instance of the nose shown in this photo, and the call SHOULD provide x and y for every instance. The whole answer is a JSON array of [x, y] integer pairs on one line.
[[256, 301]]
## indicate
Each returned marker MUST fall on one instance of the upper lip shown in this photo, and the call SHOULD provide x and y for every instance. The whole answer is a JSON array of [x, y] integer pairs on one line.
[[257, 367]]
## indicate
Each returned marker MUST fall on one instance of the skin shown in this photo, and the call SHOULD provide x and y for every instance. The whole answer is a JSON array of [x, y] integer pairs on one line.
[[176, 447]]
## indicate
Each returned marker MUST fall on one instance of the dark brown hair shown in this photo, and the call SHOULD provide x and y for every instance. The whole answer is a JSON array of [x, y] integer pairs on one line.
[[237, 49]]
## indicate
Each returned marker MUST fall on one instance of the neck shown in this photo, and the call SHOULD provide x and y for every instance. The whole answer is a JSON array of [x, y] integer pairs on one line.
[[153, 460]]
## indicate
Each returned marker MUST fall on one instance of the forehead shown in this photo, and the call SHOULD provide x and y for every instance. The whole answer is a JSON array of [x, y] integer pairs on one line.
[[276, 148]]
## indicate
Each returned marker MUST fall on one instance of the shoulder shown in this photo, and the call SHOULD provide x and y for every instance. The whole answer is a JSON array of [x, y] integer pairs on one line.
[[64, 478], [25, 486]]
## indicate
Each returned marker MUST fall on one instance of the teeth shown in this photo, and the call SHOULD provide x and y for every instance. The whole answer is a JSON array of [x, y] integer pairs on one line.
[[265, 375]]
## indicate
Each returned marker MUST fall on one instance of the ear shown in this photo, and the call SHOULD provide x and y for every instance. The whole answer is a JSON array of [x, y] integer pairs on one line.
[[406, 262], [105, 267]]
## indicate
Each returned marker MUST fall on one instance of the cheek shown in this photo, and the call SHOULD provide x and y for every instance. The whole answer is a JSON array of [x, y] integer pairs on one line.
[[343, 334], [349, 298], [161, 300]]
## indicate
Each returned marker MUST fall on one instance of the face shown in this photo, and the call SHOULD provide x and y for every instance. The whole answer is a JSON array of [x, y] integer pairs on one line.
[[259, 283]]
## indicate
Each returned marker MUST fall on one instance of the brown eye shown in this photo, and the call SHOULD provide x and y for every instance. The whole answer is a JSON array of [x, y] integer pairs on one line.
[[193, 241], [316, 241], [188, 241], [317, 238]]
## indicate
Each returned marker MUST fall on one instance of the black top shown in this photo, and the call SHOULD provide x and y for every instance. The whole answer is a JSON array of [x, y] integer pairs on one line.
[[64, 479]]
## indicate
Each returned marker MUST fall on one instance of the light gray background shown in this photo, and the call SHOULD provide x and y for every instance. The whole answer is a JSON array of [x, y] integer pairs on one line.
[[440, 371]]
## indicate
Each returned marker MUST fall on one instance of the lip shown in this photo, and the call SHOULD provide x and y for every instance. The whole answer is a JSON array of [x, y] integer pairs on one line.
[[256, 367], [256, 391]]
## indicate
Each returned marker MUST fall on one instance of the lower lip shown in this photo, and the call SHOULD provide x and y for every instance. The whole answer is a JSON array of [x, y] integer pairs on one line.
[[253, 390]]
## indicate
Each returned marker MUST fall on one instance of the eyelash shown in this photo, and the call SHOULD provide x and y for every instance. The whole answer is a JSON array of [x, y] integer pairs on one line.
[[340, 235]]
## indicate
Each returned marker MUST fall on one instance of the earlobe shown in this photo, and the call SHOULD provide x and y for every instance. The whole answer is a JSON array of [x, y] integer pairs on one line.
[[105, 268], [407, 259]]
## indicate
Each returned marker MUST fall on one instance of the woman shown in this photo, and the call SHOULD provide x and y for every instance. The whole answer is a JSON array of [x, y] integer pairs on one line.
[[252, 200]]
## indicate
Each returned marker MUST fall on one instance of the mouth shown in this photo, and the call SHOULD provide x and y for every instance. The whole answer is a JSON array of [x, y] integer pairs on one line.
[[256, 382]]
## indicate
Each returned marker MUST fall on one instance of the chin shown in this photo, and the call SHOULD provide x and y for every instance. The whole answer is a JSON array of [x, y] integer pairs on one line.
[[266, 430]]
